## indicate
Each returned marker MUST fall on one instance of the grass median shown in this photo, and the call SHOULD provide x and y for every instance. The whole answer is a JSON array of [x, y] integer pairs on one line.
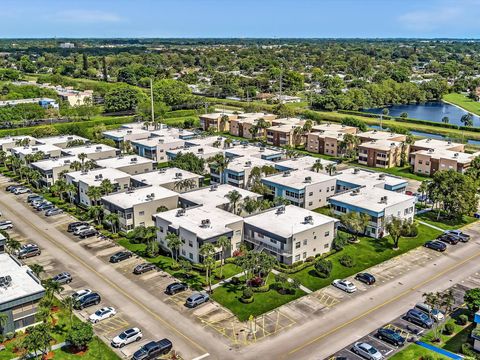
[[446, 224]]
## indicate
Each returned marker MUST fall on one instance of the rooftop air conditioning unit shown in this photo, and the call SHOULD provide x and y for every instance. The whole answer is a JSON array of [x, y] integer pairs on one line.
[[356, 170], [34, 148], [455, 155], [152, 195], [381, 176], [308, 219], [430, 151], [200, 150], [383, 199], [248, 163], [98, 148], [286, 173], [69, 137], [180, 212], [66, 162], [308, 179], [206, 223], [262, 149], [428, 140], [213, 187], [280, 210], [129, 131], [178, 175]]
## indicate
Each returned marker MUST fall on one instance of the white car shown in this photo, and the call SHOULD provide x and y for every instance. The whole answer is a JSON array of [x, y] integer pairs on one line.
[[79, 229], [22, 190], [6, 224], [344, 285], [367, 351], [78, 294], [127, 337], [102, 314]]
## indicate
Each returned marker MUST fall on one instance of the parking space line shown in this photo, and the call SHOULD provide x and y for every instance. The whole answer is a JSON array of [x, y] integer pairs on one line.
[[381, 342]]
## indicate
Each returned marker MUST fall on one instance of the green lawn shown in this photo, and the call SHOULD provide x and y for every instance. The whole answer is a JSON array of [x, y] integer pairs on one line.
[[431, 218], [367, 253], [416, 352], [228, 295], [464, 102], [398, 171], [96, 350]]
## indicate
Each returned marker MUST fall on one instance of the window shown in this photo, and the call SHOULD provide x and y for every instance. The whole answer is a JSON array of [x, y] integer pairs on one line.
[[427, 162], [332, 188], [304, 255], [190, 243], [327, 233], [305, 242], [238, 232], [190, 255], [297, 245], [314, 249], [420, 162], [184, 252], [326, 246], [141, 213], [328, 189], [310, 193], [297, 257], [142, 223], [310, 203], [273, 241]]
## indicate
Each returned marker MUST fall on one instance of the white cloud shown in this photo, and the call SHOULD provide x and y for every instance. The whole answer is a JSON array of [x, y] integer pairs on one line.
[[431, 19], [86, 16]]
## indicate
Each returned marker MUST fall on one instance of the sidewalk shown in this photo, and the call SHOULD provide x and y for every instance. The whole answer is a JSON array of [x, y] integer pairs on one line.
[[432, 226], [303, 288], [32, 355], [220, 283]]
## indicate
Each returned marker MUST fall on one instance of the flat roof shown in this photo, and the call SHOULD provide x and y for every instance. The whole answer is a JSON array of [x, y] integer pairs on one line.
[[122, 132], [330, 134], [303, 162], [164, 176], [198, 150], [54, 140], [23, 283], [88, 149], [296, 179], [288, 222], [384, 145], [369, 178], [253, 151], [155, 141], [95, 177], [215, 115], [285, 128], [289, 121], [379, 135], [332, 127], [122, 161], [460, 157], [214, 196], [206, 141], [369, 198], [247, 162], [170, 131], [191, 220], [32, 149], [10, 139], [128, 199], [253, 116], [50, 164], [436, 144]]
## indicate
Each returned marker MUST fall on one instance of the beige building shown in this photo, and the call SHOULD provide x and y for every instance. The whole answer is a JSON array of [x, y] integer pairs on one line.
[[23, 152], [171, 178], [62, 141], [214, 121], [51, 169], [345, 129], [9, 142], [433, 144], [381, 153], [428, 162], [324, 142], [135, 207], [282, 132], [381, 135], [245, 122], [290, 233], [156, 148], [131, 164], [92, 151]]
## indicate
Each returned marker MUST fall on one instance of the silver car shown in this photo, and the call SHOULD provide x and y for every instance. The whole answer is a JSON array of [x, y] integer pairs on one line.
[[367, 351]]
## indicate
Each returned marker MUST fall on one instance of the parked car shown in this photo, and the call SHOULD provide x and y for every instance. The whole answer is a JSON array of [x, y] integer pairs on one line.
[[21, 190], [436, 314], [367, 351], [366, 278], [29, 252], [419, 318], [153, 350], [40, 205], [436, 245], [344, 285], [87, 300], [74, 225], [11, 188], [143, 268], [102, 314], [46, 208], [6, 224], [88, 233], [120, 256], [38, 202], [390, 336], [176, 287], [127, 337], [449, 239], [463, 237], [196, 299], [81, 228], [33, 197], [63, 278], [53, 212], [80, 293]]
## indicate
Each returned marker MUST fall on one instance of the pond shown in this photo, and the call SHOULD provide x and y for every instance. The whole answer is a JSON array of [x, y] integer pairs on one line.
[[432, 111]]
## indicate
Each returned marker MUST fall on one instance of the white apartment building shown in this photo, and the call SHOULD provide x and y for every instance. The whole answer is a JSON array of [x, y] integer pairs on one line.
[[51, 169], [290, 233], [171, 178], [49, 151], [156, 148], [93, 151], [9, 142], [122, 134], [131, 164], [61, 141]]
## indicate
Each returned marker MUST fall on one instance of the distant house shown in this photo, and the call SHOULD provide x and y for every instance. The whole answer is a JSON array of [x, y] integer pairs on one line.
[[286, 99], [46, 103]]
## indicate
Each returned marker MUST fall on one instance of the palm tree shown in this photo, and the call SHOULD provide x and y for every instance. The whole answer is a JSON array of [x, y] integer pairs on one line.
[[33, 177], [280, 200], [95, 212], [225, 244], [94, 193], [3, 321], [307, 127], [52, 288], [59, 188], [234, 197], [227, 143], [207, 250], [13, 245], [185, 184], [37, 269], [89, 165], [217, 144], [331, 168], [298, 133], [70, 189], [467, 121], [223, 120], [82, 157], [317, 166], [76, 165], [219, 163], [174, 243], [445, 119], [106, 187], [150, 238], [112, 219], [250, 205], [253, 131], [67, 304], [162, 208], [3, 157]]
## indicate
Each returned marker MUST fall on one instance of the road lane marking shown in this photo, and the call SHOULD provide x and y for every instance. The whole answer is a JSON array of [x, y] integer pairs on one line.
[[202, 356], [62, 247], [402, 294]]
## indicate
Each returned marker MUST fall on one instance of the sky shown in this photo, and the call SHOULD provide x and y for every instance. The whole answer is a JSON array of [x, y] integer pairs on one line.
[[240, 18]]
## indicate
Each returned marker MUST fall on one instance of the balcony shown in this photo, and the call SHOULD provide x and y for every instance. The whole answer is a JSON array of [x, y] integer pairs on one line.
[[269, 247]]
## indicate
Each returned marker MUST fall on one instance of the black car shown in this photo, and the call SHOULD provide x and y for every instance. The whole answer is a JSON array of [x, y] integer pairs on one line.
[[143, 268], [436, 245], [72, 226], [120, 256], [449, 239], [87, 300], [366, 278], [153, 350], [176, 287], [88, 233], [390, 336]]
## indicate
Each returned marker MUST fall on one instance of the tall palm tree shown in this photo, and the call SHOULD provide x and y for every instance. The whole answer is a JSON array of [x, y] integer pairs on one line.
[[467, 121], [298, 133], [317, 166], [207, 250], [70, 189], [82, 157], [112, 219], [219, 163], [13, 245], [185, 184], [52, 288], [254, 131], [94, 193], [67, 304], [33, 177], [307, 127], [3, 157], [227, 143], [224, 244], [95, 212], [223, 121], [174, 243], [106, 187], [3, 321], [250, 205], [37, 269], [76, 165], [331, 168], [89, 165], [234, 197]]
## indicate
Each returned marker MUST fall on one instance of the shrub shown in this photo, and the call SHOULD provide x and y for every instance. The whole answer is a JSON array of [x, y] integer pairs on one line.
[[256, 281], [235, 280], [347, 261], [261, 289], [9, 335], [2, 338], [310, 259], [449, 328], [467, 349], [175, 266], [429, 356], [462, 319], [323, 268], [339, 242], [247, 293]]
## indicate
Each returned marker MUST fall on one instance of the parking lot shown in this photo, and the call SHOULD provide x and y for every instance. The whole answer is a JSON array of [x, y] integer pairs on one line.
[[406, 329]]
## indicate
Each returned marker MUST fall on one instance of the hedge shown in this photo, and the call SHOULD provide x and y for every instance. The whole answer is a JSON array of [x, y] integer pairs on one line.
[[261, 289]]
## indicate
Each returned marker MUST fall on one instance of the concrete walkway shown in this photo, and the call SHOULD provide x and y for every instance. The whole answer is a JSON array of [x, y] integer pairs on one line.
[[220, 283], [430, 225], [32, 355], [303, 288]]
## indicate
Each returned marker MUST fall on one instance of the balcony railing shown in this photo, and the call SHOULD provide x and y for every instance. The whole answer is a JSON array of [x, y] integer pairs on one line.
[[283, 252]]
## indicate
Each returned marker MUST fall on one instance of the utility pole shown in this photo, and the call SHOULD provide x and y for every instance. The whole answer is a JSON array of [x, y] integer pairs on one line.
[[280, 96], [151, 100]]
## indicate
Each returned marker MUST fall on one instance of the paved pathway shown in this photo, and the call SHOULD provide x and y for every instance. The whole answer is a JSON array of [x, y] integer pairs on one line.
[[430, 225], [220, 283], [303, 288], [33, 355]]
